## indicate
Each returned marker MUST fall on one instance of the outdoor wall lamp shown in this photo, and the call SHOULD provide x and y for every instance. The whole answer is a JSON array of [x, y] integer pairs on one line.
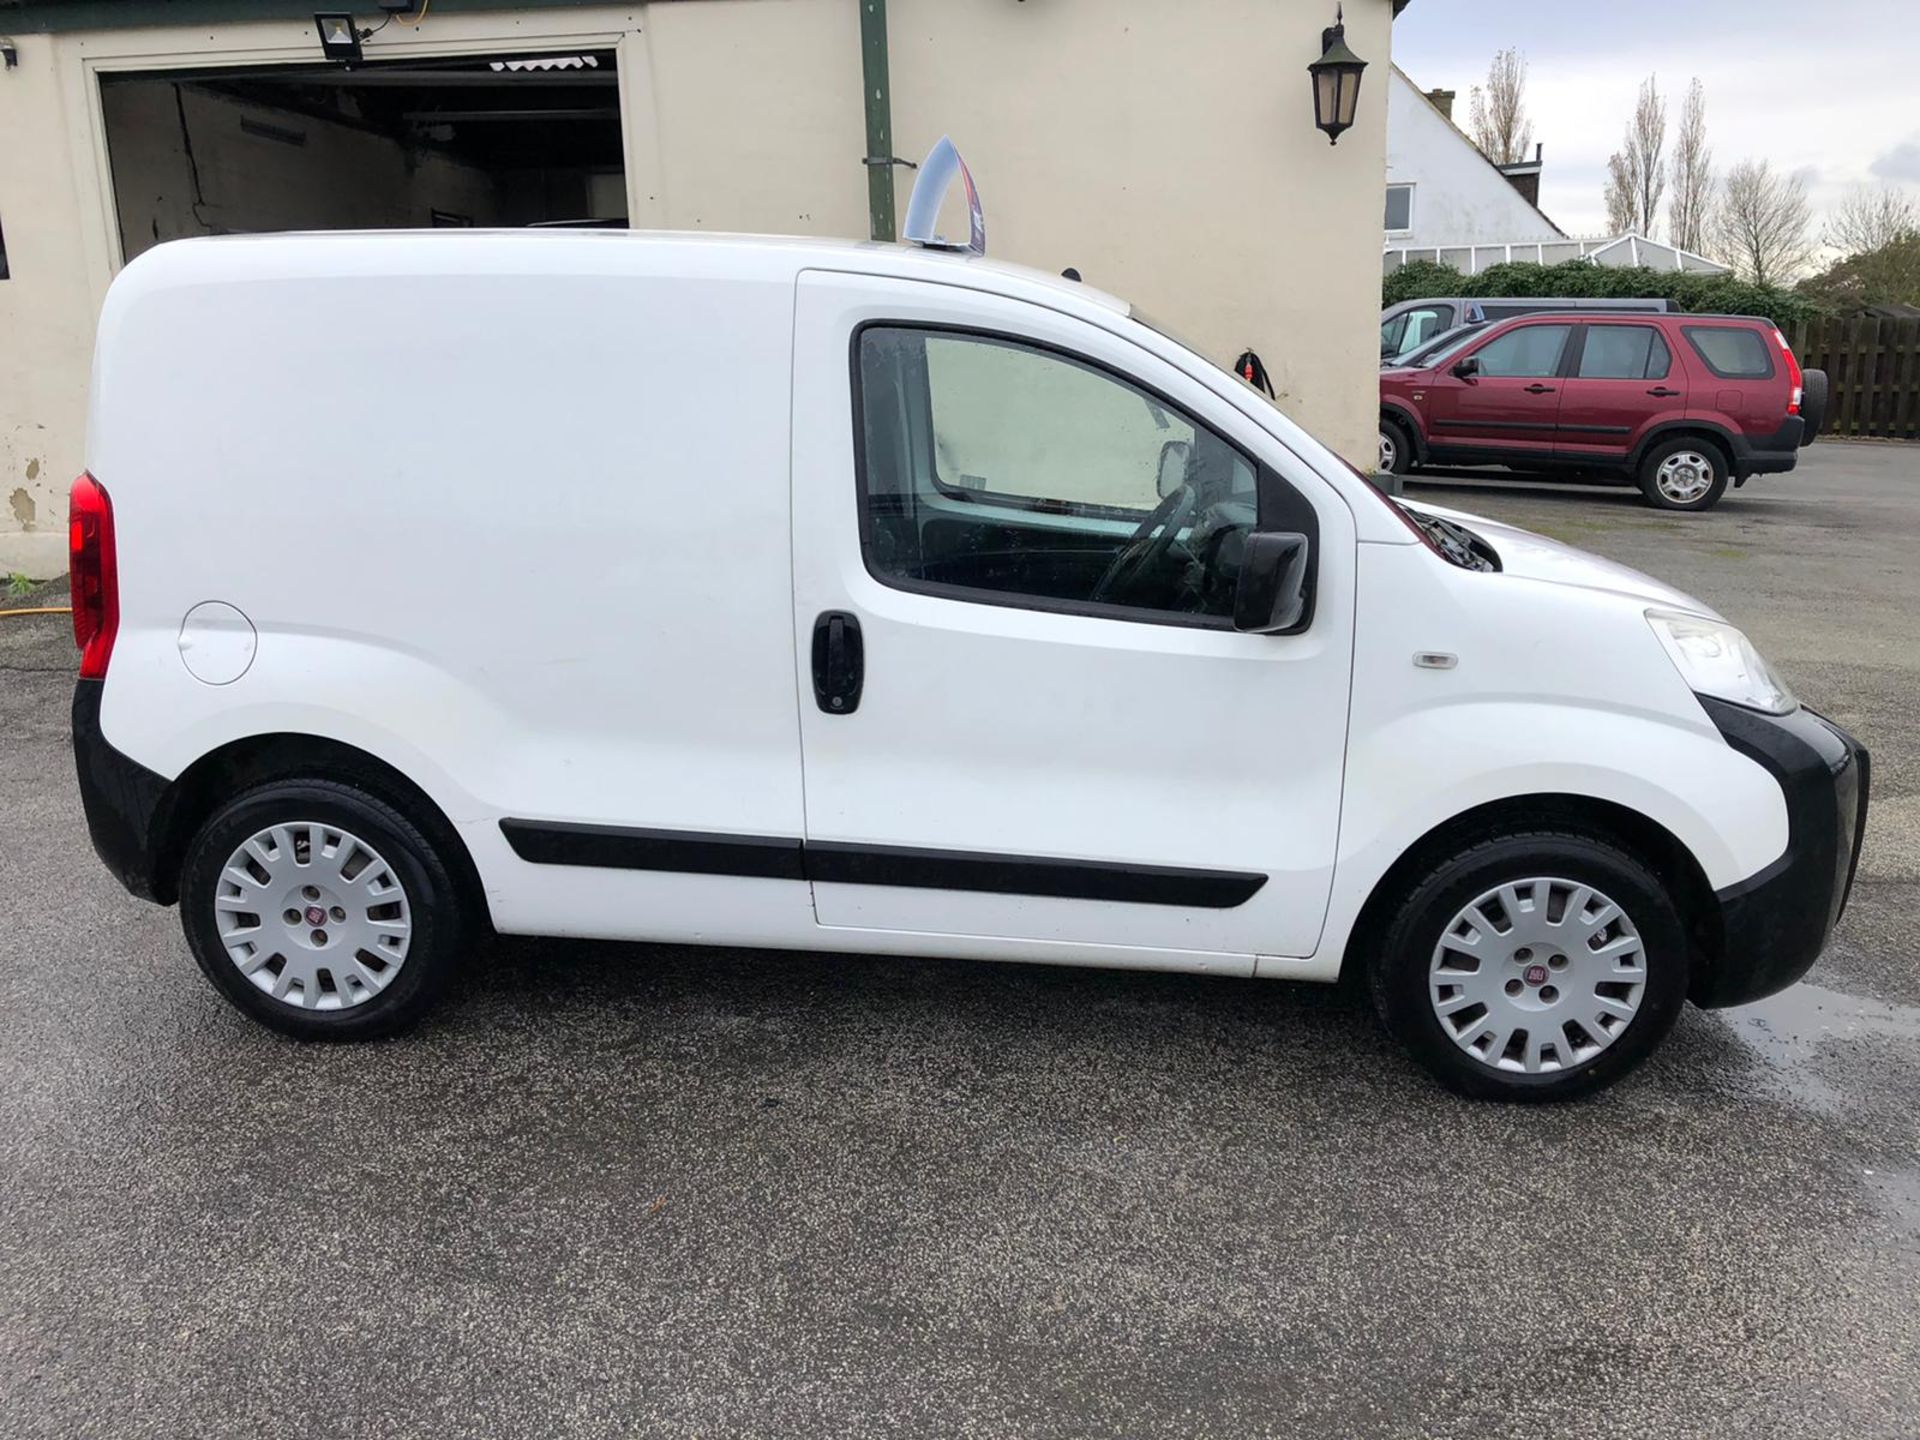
[[339, 40], [1336, 80]]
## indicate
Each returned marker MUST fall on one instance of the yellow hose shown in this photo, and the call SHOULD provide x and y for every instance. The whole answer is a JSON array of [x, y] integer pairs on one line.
[[39, 610]]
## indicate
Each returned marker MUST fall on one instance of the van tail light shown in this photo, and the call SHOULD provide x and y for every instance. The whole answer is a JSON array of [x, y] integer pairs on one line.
[[95, 572], [1794, 378]]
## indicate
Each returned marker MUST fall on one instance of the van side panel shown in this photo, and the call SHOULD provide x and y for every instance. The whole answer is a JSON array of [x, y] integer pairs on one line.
[[517, 525]]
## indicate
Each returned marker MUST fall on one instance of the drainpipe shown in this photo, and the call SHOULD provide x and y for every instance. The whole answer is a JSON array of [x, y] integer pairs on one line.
[[879, 102]]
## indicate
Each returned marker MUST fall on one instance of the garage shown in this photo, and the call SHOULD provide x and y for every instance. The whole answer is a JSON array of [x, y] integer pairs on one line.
[[482, 140]]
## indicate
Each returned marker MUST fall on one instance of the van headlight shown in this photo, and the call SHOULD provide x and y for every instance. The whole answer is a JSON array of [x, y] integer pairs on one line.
[[1717, 660]]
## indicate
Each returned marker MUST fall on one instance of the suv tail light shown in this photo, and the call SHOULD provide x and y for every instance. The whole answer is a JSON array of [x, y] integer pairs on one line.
[[94, 570], [1794, 378]]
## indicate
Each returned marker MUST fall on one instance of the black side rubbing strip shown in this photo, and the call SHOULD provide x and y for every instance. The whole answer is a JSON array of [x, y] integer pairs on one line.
[[1029, 875], [686, 852]]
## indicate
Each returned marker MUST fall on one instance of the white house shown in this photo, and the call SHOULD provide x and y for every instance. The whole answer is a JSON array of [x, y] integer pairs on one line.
[[1441, 190], [1447, 202]]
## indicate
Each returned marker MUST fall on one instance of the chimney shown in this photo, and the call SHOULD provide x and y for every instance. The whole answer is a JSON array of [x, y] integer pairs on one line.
[[1525, 176], [1443, 101]]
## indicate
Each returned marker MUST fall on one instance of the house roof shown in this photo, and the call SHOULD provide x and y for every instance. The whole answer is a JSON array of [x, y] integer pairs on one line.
[[1468, 141]]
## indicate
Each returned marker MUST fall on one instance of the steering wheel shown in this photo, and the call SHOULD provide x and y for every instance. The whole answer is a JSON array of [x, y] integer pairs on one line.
[[1147, 544]]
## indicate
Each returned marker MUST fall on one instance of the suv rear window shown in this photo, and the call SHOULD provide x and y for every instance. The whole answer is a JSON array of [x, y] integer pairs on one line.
[[1623, 352], [1731, 354]]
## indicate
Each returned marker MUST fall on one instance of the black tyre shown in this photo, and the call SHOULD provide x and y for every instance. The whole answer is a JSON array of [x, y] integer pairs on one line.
[[1534, 967], [1396, 447], [1687, 474], [320, 910], [1814, 394]]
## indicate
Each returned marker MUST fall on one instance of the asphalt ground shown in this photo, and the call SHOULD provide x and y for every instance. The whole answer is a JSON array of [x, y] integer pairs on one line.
[[625, 1190]]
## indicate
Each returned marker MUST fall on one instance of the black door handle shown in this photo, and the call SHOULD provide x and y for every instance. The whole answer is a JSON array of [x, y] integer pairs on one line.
[[1539, 389], [1663, 392], [839, 662]]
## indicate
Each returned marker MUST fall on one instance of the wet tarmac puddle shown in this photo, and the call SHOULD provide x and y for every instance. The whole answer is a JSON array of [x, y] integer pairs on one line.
[[1787, 1032]]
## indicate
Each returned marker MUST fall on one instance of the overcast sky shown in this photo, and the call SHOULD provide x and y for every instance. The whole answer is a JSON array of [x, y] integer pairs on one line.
[[1830, 88]]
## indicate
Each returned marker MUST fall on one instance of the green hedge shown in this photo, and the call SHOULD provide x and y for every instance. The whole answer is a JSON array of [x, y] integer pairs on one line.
[[1579, 279]]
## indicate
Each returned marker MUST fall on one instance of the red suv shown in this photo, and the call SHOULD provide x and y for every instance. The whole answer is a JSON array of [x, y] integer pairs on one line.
[[1681, 404]]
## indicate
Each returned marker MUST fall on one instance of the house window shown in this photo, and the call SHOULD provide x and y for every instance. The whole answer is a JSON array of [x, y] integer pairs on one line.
[[1399, 208]]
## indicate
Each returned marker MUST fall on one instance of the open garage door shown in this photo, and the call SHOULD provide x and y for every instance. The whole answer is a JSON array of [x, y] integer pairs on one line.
[[493, 140]]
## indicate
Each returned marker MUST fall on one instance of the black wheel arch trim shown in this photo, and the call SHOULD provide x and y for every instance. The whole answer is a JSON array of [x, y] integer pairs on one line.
[[1408, 421], [1730, 445]]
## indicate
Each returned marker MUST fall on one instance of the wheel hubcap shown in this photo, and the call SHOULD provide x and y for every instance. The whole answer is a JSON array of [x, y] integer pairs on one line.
[[313, 916], [1388, 451], [1685, 476], [1538, 975]]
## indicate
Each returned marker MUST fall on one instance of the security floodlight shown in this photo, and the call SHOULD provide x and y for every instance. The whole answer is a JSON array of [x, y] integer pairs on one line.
[[339, 40]]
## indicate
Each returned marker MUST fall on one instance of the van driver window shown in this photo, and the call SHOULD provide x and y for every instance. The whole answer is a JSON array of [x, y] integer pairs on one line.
[[1001, 471]]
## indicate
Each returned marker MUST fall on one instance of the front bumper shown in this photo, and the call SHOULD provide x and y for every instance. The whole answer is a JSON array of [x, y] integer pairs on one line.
[[1773, 925], [125, 802]]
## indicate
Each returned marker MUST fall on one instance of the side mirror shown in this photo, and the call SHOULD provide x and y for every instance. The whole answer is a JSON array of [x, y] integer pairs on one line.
[[1272, 593], [1466, 369], [1175, 457]]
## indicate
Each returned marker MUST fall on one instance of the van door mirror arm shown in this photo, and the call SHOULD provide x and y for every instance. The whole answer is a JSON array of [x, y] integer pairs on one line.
[[1274, 594]]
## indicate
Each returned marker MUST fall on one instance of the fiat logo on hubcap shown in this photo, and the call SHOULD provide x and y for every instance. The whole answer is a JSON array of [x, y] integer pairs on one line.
[[315, 915], [1535, 975]]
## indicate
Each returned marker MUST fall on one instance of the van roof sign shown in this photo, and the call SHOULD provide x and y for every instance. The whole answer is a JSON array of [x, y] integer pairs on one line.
[[930, 188]]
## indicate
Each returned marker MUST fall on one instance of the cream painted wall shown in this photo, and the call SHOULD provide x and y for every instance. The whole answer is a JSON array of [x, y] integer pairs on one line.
[[46, 317], [1167, 150]]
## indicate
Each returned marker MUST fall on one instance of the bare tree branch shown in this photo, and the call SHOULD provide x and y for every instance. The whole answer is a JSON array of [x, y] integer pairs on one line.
[[1869, 220], [1690, 215], [1498, 111], [1619, 194], [1645, 157], [1761, 225]]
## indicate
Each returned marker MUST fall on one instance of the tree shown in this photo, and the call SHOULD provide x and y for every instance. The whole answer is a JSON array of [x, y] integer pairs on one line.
[[1870, 220], [1690, 215], [1761, 226], [1498, 111], [1889, 275], [1620, 202], [1644, 159], [1877, 233]]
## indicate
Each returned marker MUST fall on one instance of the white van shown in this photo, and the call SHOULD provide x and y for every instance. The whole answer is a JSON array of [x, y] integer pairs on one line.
[[843, 597]]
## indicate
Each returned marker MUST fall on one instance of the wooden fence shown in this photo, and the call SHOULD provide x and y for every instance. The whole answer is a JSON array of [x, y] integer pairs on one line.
[[1873, 367]]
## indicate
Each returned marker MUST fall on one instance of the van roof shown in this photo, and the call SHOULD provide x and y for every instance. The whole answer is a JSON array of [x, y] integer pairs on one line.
[[210, 259]]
